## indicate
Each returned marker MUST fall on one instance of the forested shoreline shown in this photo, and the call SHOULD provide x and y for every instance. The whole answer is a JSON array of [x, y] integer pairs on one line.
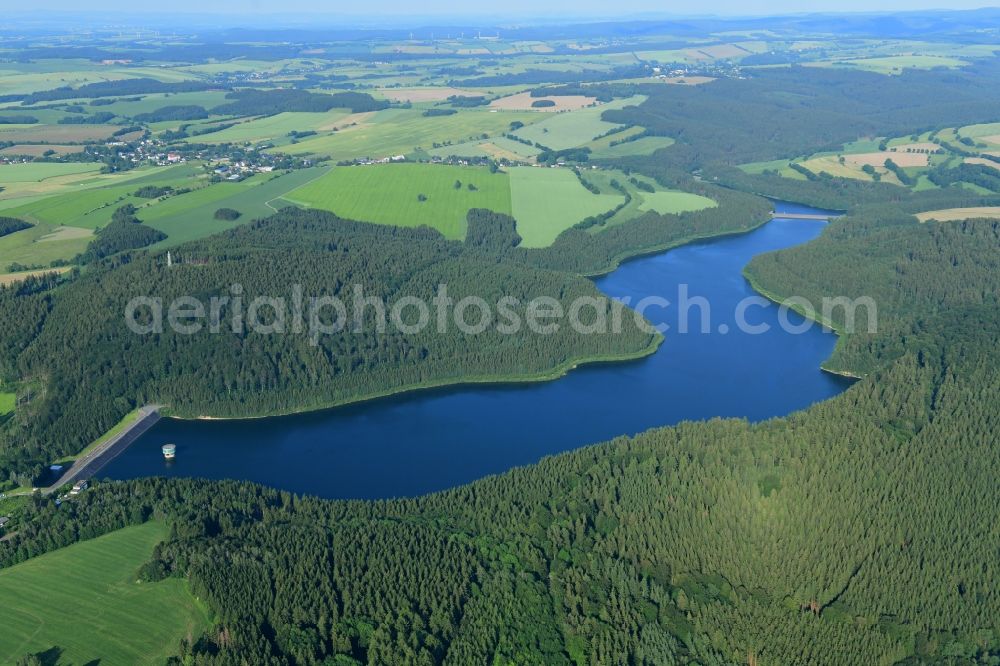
[[810, 538]]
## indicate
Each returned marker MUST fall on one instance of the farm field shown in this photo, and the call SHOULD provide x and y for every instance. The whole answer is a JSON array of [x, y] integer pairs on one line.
[[28, 248], [524, 101], [65, 223], [982, 161], [33, 172], [73, 208], [916, 153], [498, 147], [831, 165], [895, 64], [903, 159], [647, 145], [574, 128], [987, 132], [75, 181], [149, 103], [545, 202], [671, 202], [664, 202], [955, 214], [13, 278], [191, 216], [274, 127], [401, 131], [93, 199], [388, 194], [83, 603], [40, 149], [59, 134], [435, 94], [19, 83]]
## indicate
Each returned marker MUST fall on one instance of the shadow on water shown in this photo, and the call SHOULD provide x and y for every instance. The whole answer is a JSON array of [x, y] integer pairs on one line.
[[431, 440]]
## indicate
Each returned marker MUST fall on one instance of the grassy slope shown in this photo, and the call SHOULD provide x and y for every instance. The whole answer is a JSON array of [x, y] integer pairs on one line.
[[7, 403], [387, 194], [546, 202], [126, 421], [84, 600]]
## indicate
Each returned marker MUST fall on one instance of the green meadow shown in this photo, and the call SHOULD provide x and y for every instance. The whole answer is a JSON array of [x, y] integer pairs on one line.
[[979, 131], [56, 133], [390, 194], [495, 147], [74, 208], [664, 202], [83, 604], [191, 216], [273, 128], [574, 128], [7, 402], [603, 149], [64, 223], [33, 172], [41, 245], [546, 202], [150, 103], [671, 202], [897, 63], [401, 131]]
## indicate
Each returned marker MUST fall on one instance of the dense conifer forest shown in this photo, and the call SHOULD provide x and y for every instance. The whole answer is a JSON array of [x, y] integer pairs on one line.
[[98, 370], [816, 538]]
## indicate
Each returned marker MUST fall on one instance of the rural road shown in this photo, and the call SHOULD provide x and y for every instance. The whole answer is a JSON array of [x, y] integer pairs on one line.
[[91, 463]]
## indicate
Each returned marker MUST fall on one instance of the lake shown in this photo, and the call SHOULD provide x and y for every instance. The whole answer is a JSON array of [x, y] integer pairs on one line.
[[430, 440]]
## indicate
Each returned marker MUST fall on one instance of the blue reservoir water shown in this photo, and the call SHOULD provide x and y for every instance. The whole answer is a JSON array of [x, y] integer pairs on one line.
[[430, 440]]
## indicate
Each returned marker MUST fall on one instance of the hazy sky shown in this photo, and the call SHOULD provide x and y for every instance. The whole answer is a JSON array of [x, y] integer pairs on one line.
[[509, 8]]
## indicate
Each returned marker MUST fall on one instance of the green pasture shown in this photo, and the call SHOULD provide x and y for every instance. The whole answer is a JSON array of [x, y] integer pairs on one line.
[[59, 134], [41, 245], [895, 64], [401, 131], [150, 103], [546, 202], [191, 216], [84, 605], [646, 145], [272, 128], [34, 172], [662, 201], [672, 202], [495, 147], [389, 194], [574, 128]]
